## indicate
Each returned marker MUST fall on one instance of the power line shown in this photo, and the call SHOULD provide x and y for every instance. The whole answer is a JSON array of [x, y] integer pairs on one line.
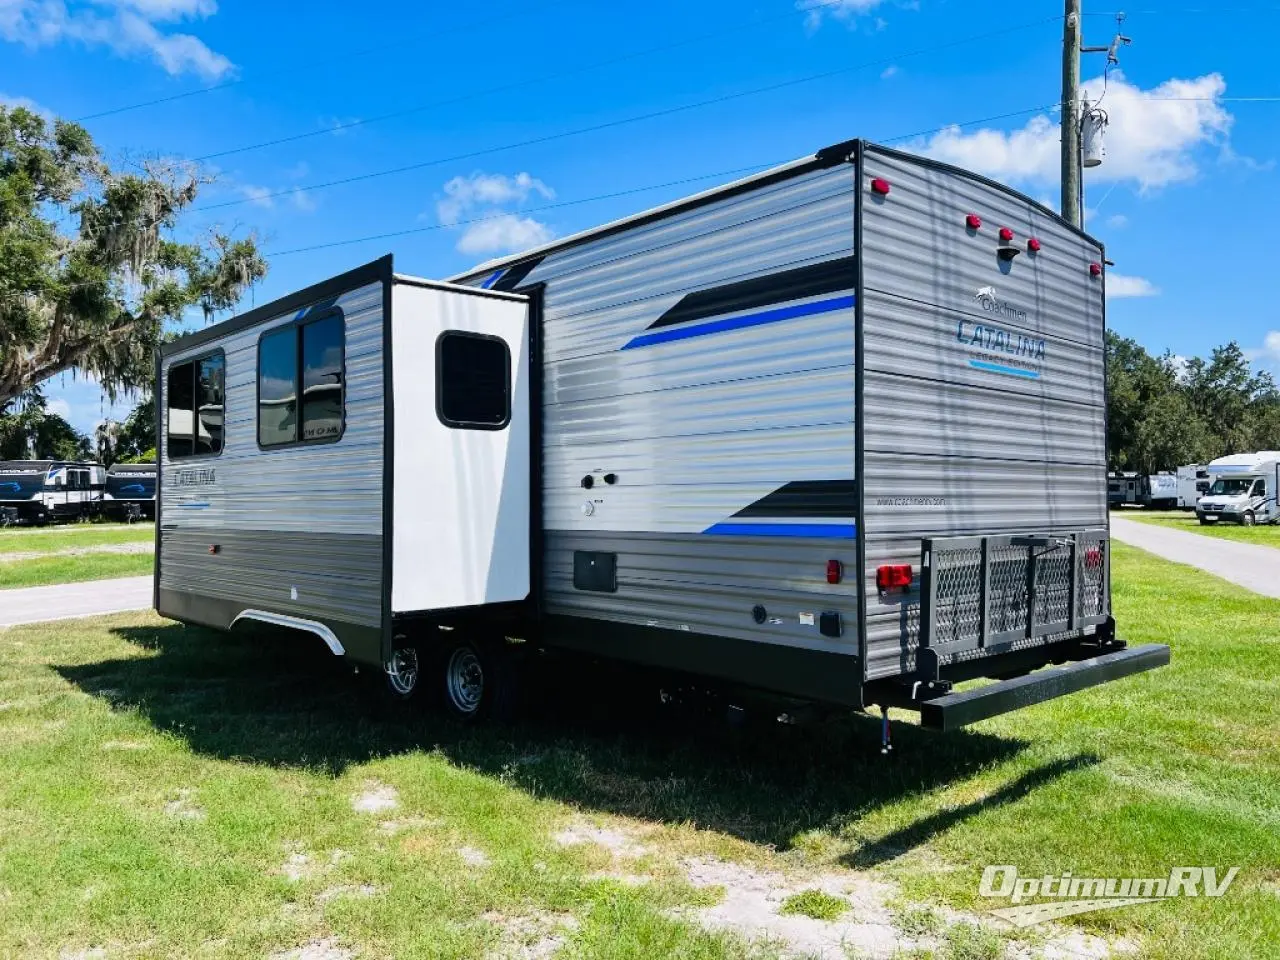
[[625, 121], [515, 85], [620, 193]]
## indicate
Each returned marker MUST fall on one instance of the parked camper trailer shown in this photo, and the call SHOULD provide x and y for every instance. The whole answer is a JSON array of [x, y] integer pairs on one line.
[[1193, 483], [130, 493], [765, 436], [1243, 489], [45, 491], [1157, 491]]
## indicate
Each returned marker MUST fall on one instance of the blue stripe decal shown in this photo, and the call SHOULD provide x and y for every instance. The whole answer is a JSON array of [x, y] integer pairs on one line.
[[491, 280], [738, 323], [828, 530], [1001, 368], [192, 506]]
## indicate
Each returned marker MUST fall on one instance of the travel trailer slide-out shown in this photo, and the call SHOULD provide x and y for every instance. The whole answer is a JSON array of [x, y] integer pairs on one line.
[[1243, 489], [46, 491], [760, 436]]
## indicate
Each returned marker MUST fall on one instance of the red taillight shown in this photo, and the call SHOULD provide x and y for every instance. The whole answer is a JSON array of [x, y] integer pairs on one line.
[[1033, 245], [893, 576], [215, 548], [973, 222], [1095, 269], [880, 186], [1093, 558], [835, 571], [1005, 234]]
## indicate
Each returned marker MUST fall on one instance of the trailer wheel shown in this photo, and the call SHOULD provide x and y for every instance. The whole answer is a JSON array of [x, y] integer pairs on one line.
[[402, 673], [479, 680]]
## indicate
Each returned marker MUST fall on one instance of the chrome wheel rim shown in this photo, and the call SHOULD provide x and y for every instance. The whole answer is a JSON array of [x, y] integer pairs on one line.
[[402, 670], [464, 680]]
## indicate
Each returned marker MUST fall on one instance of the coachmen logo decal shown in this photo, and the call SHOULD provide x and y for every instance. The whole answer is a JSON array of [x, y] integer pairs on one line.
[[995, 349]]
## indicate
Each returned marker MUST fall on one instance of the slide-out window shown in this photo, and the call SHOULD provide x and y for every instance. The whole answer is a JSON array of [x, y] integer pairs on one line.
[[473, 381], [195, 392], [310, 354]]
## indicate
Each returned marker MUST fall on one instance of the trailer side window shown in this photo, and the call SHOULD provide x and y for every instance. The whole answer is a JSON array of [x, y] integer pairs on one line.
[[278, 387], [194, 393], [307, 360], [473, 381]]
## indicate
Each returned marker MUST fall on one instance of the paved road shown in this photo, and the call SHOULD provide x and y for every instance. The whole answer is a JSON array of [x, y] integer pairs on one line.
[[57, 602], [1253, 567]]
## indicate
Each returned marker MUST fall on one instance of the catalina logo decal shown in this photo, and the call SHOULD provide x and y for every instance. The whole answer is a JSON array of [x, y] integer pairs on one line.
[[11, 486]]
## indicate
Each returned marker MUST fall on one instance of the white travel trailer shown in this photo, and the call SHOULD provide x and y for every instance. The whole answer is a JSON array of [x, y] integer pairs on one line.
[[44, 491], [1243, 489], [1193, 483], [835, 432]]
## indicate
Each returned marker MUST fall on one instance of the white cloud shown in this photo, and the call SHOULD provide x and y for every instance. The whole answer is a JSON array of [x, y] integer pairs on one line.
[[302, 200], [1269, 353], [846, 10], [58, 407], [482, 204], [465, 194], [1152, 139], [1121, 286], [26, 102], [257, 195], [504, 233], [1117, 221], [889, 71], [126, 27]]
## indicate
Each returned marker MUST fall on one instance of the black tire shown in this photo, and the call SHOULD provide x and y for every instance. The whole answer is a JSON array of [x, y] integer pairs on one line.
[[479, 681], [1205, 521], [402, 674], [1247, 519]]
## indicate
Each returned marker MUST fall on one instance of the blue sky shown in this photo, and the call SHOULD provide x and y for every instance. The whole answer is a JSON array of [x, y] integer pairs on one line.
[[1185, 201]]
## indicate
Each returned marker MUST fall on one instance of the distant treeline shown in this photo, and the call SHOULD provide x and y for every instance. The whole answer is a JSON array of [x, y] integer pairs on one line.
[[1165, 411]]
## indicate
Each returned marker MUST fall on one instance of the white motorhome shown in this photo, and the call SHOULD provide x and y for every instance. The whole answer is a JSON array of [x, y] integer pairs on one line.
[[1243, 489], [835, 431]]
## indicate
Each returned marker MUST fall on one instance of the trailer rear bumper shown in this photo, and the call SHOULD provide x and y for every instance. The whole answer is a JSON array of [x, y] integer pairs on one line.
[[954, 710]]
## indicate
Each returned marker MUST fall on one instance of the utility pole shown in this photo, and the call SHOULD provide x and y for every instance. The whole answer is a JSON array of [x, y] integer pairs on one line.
[[1071, 43], [1075, 111]]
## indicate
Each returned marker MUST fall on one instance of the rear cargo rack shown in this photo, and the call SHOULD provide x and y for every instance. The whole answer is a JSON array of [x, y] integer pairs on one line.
[[993, 594]]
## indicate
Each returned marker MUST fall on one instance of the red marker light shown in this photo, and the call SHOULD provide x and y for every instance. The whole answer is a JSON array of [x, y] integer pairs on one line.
[[1006, 234], [973, 222], [1095, 269], [1033, 245], [1093, 558], [835, 571], [880, 186], [893, 576]]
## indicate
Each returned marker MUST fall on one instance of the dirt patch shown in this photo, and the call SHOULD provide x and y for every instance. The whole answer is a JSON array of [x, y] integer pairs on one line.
[[618, 842], [140, 547], [375, 798], [753, 901], [126, 745], [392, 827], [92, 953], [327, 949], [299, 866], [473, 857], [346, 890], [183, 806], [531, 936]]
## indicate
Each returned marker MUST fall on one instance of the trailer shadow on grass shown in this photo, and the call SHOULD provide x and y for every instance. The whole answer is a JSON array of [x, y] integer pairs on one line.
[[591, 737]]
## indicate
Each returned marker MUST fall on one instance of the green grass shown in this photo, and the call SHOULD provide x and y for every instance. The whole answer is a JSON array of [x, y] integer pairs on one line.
[[72, 536], [157, 782], [38, 571], [1266, 535], [815, 904]]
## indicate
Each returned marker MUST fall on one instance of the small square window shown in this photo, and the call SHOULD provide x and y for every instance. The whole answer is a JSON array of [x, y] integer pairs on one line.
[[473, 381]]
